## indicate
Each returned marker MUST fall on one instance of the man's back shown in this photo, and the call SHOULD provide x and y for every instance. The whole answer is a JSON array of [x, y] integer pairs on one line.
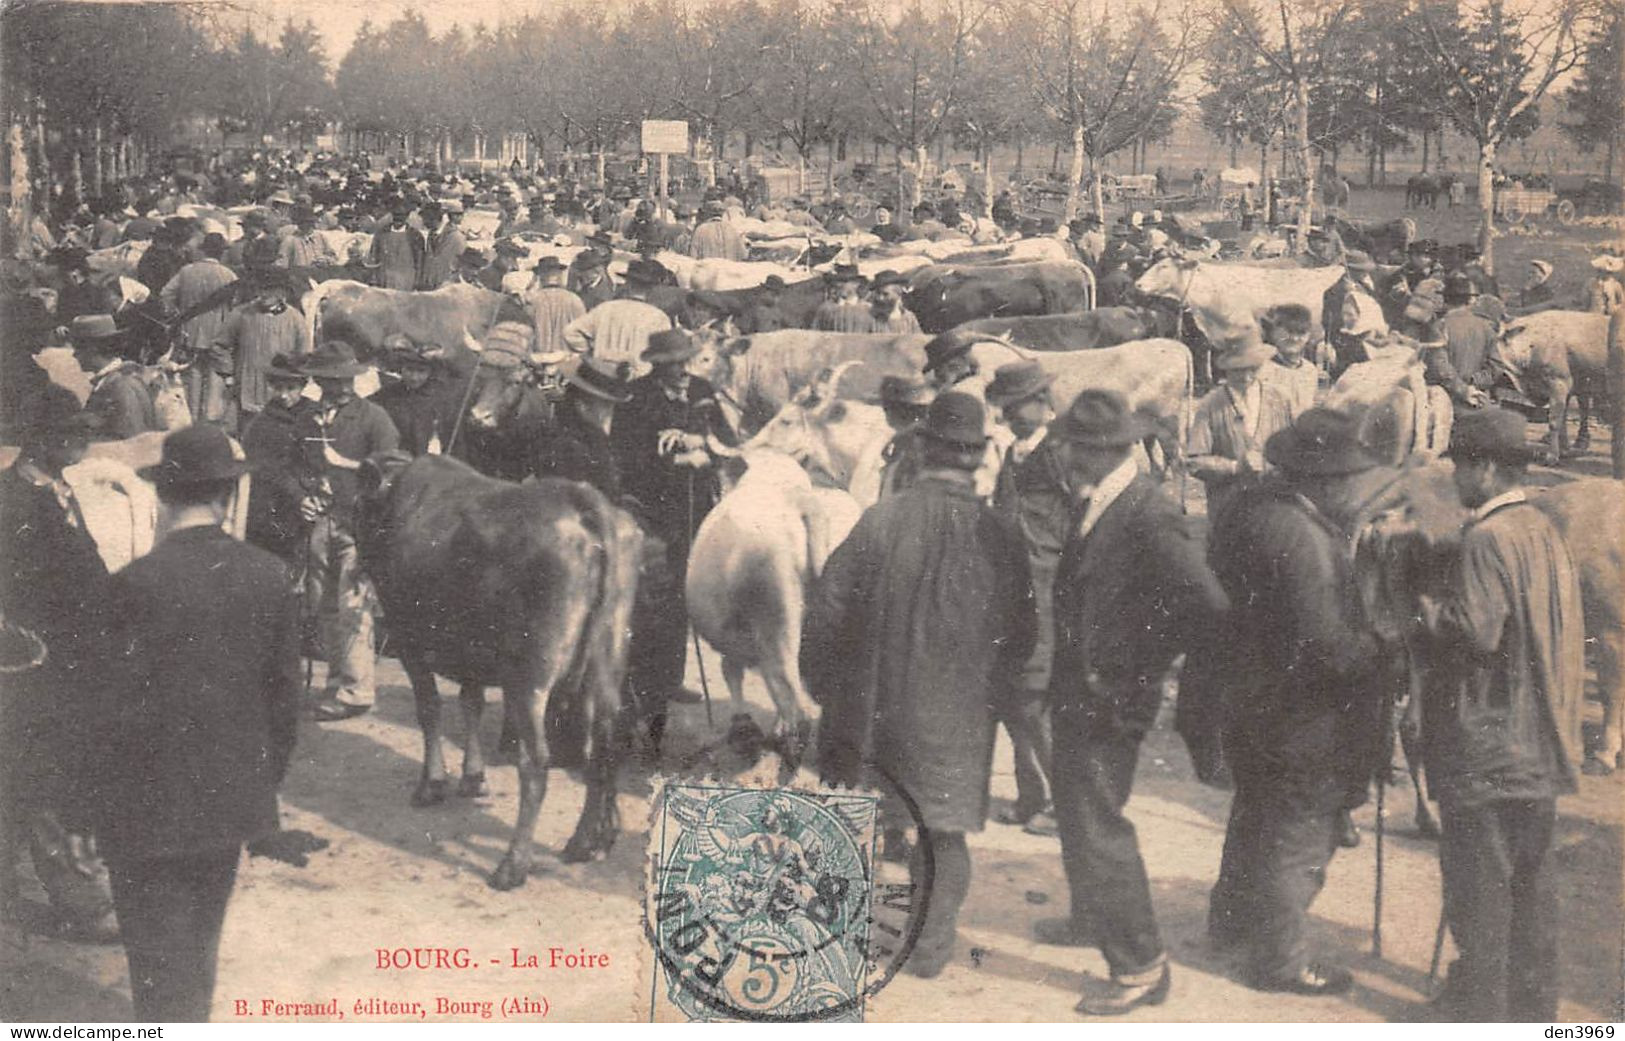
[[201, 693]]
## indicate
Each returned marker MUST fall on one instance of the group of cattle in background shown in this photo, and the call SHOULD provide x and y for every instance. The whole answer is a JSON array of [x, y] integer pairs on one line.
[[532, 587]]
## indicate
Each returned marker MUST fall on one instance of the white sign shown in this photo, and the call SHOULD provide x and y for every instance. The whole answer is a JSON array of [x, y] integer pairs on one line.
[[665, 135]]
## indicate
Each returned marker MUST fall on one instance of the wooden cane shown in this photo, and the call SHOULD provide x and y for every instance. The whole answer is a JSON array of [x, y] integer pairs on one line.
[[1438, 952], [1376, 902]]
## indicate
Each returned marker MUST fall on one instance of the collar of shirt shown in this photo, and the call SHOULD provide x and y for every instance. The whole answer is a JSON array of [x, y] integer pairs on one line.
[[1102, 495], [680, 396], [1506, 498]]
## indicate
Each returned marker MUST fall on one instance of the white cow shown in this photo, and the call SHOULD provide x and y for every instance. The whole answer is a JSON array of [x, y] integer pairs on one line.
[[753, 563], [717, 274], [1227, 299]]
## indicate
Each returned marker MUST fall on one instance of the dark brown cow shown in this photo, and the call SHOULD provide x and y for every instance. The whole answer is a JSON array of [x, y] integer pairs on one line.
[[797, 303], [527, 587], [365, 315], [943, 296], [1086, 330]]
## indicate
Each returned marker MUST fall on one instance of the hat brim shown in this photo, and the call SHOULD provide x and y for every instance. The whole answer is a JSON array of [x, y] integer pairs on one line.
[[163, 476], [925, 431], [1131, 431], [665, 357], [1286, 451], [1021, 392], [601, 393], [341, 370]]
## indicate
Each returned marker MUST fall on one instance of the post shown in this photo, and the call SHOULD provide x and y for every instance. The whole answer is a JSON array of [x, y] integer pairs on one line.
[[663, 179]]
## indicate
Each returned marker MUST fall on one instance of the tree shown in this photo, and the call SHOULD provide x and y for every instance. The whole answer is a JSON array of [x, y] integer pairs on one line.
[[1242, 101], [913, 70], [1294, 41], [1498, 65], [1596, 98], [1106, 77]]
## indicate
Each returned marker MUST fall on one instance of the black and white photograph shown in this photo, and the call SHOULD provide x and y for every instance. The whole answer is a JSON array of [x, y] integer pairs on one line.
[[812, 511]]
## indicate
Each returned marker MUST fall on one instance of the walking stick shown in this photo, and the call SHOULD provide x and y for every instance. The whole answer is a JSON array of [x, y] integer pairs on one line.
[[699, 656], [1376, 902]]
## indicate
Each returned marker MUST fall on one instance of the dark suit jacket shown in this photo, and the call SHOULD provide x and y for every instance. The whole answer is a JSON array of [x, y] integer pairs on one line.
[[1129, 597], [200, 702]]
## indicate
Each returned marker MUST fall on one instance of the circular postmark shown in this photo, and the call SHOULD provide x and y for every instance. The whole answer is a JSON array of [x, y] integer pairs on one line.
[[772, 904]]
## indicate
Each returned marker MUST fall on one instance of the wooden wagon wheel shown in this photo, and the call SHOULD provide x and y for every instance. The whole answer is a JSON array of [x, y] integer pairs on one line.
[[1512, 211], [1565, 211]]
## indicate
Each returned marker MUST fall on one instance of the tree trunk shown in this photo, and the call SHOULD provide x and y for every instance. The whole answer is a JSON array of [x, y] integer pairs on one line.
[[19, 215], [920, 159], [1486, 204], [1020, 144], [1055, 159], [76, 172], [1097, 192], [1306, 204], [1075, 175], [98, 171], [987, 181], [829, 171], [1426, 137]]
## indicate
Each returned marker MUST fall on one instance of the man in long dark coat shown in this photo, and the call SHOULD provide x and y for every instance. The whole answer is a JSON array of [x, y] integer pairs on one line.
[[1132, 591], [659, 439], [578, 448], [1304, 696], [920, 617]]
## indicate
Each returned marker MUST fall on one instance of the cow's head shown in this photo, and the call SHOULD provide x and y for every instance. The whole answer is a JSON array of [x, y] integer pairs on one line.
[[809, 428], [503, 395], [375, 480], [1169, 277]]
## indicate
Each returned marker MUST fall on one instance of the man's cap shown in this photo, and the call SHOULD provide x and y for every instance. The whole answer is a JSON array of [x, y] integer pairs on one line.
[[57, 413], [903, 390], [591, 380], [1321, 442], [774, 282], [334, 359], [944, 347], [956, 418], [281, 198], [472, 255], [549, 263], [284, 369], [888, 278], [1017, 381], [94, 328], [598, 238], [1490, 433], [199, 454], [1102, 418], [670, 345], [511, 248]]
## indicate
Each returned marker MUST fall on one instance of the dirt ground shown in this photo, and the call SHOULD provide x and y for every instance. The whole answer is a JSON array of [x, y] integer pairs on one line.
[[395, 877], [398, 877]]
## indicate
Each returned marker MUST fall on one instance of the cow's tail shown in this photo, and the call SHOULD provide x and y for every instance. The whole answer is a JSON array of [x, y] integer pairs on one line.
[[606, 636]]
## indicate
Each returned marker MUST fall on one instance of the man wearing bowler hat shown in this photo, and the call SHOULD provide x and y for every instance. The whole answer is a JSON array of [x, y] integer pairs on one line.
[[845, 312], [715, 238], [1502, 728], [1132, 592], [920, 616], [886, 304], [255, 333], [578, 448], [52, 584], [304, 248], [1031, 491], [119, 398], [199, 688], [1303, 673], [591, 267], [764, 315], [445, 243], [336, 436], [660, 438]]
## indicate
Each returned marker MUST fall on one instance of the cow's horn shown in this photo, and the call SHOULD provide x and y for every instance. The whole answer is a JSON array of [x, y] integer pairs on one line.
[[715, 446]]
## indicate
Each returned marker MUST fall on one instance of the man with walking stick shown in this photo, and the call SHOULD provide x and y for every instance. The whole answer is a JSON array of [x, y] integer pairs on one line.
[[1303, 701], [1502, 729]]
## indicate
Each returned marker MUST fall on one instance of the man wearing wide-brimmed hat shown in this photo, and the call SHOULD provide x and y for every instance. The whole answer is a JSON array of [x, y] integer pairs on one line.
[[1132, 592], [1462, 365], [256, 332], [410, 395], [886, 304], [1031, 491], [52, 584], [1503, 730], [904, 400], [337, 435], [1303, 672], [1233, 421], [578, 448], [617, 332], [845, 311], [203, 632], [444, 243], [920, 617], [305, 248], [660, 438], [119, 398], [271, 441]]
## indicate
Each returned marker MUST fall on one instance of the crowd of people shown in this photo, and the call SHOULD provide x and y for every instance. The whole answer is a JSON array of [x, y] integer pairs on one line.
[[1056, 606]]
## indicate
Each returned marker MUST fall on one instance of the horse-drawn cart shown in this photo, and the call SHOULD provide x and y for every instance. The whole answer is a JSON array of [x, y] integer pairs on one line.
[[1516, 205]]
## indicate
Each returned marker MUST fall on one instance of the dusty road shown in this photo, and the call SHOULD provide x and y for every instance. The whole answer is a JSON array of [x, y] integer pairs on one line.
[[396, 877]]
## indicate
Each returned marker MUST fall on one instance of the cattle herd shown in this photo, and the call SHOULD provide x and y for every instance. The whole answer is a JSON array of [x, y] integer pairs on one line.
[[502, 578]]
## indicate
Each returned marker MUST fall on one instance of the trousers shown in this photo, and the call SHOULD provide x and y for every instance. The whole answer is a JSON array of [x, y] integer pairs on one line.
[[1025, 715], [170, 911], [1500, 898], [1276, 849], [1093, 775], [336, 593]]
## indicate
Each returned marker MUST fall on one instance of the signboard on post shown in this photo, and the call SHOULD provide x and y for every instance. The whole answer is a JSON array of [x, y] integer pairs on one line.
[[665, 137]]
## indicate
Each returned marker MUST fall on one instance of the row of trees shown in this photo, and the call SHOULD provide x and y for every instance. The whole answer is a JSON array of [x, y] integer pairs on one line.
[[1314, 78]]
